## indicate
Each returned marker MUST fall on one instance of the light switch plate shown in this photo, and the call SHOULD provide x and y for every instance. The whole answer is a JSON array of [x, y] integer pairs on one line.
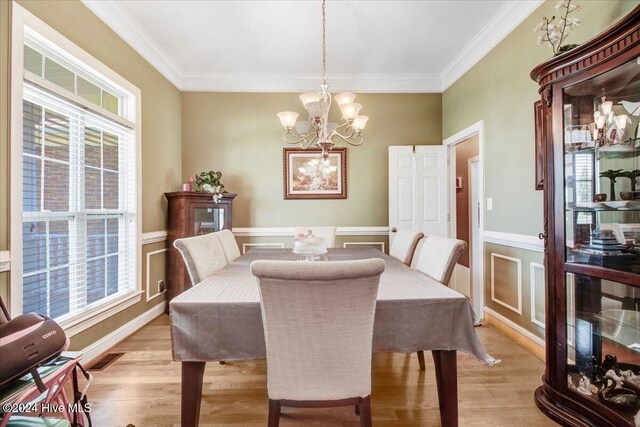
[[489, 203]]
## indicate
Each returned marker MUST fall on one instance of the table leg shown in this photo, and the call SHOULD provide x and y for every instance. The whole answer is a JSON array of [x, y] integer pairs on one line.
[[447, 380], [192, 373]]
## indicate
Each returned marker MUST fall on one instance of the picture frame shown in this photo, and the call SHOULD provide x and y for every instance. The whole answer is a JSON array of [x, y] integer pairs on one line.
[[307, 176], [539, 141]]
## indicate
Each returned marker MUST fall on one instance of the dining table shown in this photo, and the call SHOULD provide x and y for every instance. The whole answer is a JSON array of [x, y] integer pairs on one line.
[[219, 319]]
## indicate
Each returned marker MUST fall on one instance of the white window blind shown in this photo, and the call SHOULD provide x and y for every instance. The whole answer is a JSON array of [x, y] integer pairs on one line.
[[79, 206]]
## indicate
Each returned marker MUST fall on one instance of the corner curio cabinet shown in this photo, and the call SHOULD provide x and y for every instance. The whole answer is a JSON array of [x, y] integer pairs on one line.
[[590, 126]]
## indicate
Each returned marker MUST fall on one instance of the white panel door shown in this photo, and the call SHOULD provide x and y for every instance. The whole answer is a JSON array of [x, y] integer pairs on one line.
[[418, 189]]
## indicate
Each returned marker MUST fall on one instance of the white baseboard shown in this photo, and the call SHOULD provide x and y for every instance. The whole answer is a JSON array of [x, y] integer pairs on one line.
[[105, 343], [522, 331]]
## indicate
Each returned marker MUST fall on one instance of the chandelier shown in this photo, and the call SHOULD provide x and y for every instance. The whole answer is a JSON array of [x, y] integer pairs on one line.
[[607, 129], [317, 130]]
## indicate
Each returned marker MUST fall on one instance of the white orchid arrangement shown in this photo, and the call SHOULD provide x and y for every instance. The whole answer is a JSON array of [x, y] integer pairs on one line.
[[555, 33], [211, 182]]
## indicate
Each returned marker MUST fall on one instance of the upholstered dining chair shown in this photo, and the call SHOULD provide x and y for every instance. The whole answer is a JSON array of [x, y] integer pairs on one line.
[[229, 244], [436, 257], [318, 327], [202, 255], [326, 232], [404, 245]]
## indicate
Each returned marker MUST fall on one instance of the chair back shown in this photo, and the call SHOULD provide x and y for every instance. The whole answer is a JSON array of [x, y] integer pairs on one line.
[[318, 326], [328, 233], [404, 245], [437, 256], [203, 255], [229, 244]]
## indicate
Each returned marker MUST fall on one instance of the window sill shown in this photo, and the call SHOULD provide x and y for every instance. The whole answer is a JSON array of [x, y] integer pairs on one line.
[[87, 319]]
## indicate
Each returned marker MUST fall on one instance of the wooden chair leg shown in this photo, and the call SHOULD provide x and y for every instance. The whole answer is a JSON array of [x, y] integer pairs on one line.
[[274, 413], [421, 360], [365, 412]]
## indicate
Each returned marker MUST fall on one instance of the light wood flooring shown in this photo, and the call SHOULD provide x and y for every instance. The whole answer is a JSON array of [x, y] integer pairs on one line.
[[142, 388]]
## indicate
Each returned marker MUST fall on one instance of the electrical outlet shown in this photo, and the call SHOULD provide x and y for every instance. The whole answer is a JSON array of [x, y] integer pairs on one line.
[[161, 286], [489, 203]]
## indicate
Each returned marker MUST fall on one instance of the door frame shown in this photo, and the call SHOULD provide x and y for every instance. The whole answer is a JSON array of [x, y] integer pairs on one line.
[[473, 130]]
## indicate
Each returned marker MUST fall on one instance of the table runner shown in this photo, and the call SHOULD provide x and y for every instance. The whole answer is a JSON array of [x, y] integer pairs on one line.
[[220, 319]]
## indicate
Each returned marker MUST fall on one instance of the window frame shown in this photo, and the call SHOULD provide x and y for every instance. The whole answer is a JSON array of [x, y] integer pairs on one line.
[[26, 25]]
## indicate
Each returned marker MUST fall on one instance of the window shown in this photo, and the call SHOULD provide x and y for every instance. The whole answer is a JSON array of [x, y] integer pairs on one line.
[[79, 167]]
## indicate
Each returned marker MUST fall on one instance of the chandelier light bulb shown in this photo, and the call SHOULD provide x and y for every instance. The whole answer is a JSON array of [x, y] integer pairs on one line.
[[308, 98], [360, 122], [606, 107], [344, 98], [350, 111], [288, 118], [315, 109], [621, 121], [600, 120]]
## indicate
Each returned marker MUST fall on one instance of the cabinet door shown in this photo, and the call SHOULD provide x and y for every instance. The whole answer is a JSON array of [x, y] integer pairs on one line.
[[207, 218]]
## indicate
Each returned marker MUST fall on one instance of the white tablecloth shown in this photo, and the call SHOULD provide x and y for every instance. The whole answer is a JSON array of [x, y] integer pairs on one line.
[[220, 319]]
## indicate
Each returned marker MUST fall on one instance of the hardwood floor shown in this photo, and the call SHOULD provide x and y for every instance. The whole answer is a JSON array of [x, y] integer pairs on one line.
[[142, 388]]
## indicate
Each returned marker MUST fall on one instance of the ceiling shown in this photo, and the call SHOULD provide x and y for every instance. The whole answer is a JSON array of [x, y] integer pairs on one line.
[[372, 46]]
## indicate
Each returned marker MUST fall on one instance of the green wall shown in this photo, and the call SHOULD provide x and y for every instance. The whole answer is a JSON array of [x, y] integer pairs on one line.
[[239, 134], [161, 130], [499, 91]]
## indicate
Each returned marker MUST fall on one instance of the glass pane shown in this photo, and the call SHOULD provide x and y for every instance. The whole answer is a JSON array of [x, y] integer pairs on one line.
[[32, 128], [92, 188], [56, 136], [32, 61], [110, 151], [56, 186], [113, 228], [34, 294], [95, 237], [58, 243], [603, 334], [207, 220], [59, 75], [111, 196], [95, 280], [59, 292], [34, 246], [31, 184], [110, 102], [92, 147], [602, 166], [112, 274], [89, 91]]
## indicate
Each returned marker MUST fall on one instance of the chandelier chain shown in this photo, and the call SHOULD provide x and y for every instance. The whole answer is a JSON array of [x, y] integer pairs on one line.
[[324, 42]]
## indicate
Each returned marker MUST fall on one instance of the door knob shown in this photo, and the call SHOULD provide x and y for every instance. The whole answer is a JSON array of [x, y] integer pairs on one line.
[[393, 230]]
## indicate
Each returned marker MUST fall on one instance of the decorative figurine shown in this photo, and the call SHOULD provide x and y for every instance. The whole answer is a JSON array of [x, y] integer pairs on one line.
[[584, 386], [621, 398], [612, 175]]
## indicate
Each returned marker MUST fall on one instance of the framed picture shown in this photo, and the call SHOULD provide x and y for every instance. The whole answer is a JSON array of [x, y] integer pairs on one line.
[[308, 176], [539, 129]]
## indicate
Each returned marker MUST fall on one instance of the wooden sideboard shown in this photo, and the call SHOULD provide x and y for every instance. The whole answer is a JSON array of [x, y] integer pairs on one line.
[[192, 213]]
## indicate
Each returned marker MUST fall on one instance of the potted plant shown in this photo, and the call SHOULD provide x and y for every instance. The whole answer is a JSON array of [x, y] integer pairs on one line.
[[211, 182]]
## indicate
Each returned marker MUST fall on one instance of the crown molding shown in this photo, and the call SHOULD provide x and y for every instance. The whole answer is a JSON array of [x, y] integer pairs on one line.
[[506, 20], [112, 14], [257, 82]]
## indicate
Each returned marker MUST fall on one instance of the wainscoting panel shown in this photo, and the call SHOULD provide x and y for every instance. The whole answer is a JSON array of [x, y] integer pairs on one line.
[[536, 282], [505, 273], [155, 271], [377, 245], [249, 246]]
